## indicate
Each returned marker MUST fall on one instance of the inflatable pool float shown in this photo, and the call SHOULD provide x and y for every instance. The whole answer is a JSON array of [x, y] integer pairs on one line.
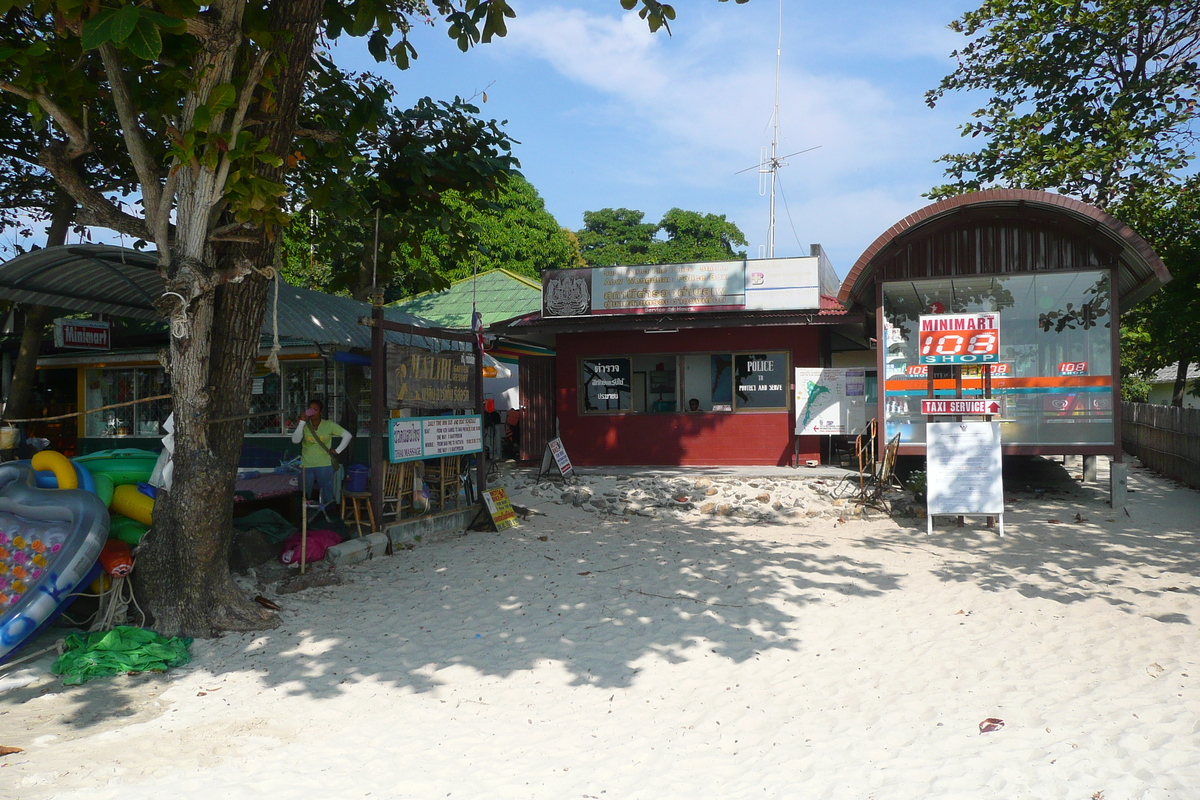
[[50, 540], [122, 466], [129, 501]]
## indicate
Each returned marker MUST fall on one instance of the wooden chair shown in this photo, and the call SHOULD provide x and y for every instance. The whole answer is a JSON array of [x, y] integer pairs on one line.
[[358, 500], [397, 489], [442, 478]]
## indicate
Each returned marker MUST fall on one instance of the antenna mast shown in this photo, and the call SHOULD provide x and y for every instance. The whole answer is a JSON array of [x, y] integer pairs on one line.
[[774, 162]]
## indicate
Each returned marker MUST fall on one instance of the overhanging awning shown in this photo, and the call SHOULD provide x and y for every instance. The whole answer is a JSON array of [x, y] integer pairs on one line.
[[104, 279]]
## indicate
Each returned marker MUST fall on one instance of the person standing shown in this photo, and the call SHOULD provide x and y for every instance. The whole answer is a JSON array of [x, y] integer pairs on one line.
[[315, 437]]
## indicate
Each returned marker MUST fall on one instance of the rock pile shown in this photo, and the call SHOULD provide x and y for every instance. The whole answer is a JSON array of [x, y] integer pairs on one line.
[[762, 499]]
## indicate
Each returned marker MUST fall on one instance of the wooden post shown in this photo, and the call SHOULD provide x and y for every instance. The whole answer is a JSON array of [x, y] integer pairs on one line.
[[481, 461], [378, 407]]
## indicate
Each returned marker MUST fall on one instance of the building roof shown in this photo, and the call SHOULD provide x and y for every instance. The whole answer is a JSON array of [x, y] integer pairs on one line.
[[103, 279], [1167, 374], [498, 294], [1141, 270]]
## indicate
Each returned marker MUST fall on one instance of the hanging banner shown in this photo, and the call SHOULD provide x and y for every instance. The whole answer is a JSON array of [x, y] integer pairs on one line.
[[418, 378]]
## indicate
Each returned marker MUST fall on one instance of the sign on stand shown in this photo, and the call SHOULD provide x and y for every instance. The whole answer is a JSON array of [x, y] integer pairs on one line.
[[555, 455], [500, 508], [964, 470]]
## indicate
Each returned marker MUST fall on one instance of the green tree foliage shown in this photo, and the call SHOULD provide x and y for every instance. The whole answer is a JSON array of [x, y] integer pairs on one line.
[[1165, 329], [1084, 96], [617, 236], [1098, 99], [208, 101], [426, 170], [513, 231]]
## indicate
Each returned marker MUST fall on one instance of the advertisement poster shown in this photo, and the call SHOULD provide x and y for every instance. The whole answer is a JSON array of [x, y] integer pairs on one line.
[[830, 401], [500, 508], [959, 338]]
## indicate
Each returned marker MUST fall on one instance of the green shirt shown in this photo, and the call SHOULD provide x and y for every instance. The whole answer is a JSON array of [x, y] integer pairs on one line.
[[311, 453]]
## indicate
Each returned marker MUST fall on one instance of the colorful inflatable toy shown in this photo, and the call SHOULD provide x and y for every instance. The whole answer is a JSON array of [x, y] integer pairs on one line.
[[128, 465], [129, 501], [49, 543]]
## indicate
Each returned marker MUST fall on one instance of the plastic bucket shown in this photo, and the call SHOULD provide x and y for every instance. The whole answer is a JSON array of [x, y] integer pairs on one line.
[[8, 438], [356, 478]]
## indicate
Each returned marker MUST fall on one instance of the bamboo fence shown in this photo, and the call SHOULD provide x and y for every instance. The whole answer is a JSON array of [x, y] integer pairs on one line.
[[1165, 438]]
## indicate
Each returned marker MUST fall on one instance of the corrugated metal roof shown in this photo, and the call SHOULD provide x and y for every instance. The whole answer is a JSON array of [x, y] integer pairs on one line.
[[98, 278], [102, 279], [498, 294]]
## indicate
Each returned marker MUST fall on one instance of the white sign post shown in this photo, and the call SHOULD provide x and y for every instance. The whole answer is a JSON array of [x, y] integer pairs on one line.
[[964, 470]]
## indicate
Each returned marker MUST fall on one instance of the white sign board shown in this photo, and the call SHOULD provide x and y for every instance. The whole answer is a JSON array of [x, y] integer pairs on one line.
[[830, 402], [964, 468], [414, 438]]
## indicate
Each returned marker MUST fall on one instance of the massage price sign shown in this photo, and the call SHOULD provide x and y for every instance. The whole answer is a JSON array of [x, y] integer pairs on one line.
[[959, 338]]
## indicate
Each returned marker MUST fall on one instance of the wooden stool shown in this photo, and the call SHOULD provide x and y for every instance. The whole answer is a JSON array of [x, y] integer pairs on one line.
[[356, 498]]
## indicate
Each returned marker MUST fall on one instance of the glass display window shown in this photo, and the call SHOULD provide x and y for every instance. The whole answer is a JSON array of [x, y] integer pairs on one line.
[[1055, 367]]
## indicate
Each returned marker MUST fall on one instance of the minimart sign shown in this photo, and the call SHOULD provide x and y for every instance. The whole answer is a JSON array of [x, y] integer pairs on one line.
[[80, 334]]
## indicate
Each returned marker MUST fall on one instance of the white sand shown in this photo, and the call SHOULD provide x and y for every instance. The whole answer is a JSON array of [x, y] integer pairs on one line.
[[639, 658]]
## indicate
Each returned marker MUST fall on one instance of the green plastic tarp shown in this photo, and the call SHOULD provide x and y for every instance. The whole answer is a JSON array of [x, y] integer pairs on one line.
[[123, 649]]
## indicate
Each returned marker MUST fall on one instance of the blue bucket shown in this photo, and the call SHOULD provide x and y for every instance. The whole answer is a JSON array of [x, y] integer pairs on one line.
[[356, 478]]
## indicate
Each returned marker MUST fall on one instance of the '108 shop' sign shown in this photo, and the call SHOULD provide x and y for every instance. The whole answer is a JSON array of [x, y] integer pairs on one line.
[[959, 339]]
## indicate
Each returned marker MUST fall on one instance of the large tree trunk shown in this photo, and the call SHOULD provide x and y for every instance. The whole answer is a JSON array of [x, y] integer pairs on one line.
[[1181, 371], [19, 404], [183, 565]]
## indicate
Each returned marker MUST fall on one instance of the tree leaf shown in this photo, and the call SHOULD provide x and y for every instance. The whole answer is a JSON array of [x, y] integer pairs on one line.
[[98, 29], [221, 98], [145, 42], [124, 22]]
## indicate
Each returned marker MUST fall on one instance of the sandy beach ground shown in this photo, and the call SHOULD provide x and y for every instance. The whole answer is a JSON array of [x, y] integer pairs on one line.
[[594, 656]]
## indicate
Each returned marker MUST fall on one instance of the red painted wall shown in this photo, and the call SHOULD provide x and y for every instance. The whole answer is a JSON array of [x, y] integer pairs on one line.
[[763, 438]]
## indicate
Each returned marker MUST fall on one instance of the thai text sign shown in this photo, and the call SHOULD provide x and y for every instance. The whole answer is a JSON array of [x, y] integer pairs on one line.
[[560, 457], [958, 406], [418, 378], [415, 438], [959, 338], [764, 284], [82, 334], [964, 475]]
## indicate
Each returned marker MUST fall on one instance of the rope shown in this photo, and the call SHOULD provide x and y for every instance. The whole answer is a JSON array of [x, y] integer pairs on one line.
[[272, 273], [179, 319], [93, 410]]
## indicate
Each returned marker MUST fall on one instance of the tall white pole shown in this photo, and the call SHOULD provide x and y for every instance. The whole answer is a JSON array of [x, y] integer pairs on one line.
[[775, 137]]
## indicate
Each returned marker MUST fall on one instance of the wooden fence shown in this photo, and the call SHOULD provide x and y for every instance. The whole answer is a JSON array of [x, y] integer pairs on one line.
[[1165, 438]]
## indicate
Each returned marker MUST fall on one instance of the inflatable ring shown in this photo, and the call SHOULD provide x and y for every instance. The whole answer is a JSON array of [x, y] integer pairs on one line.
[[58, 464], [104, 488], [129, 501]]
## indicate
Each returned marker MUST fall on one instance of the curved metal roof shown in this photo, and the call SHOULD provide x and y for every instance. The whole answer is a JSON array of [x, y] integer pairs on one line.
[[103, 279], [1141, 270], [97, 278]]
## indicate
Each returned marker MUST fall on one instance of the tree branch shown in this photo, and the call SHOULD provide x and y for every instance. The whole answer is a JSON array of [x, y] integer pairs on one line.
[[78, 142], [143, 164], [95, 207]]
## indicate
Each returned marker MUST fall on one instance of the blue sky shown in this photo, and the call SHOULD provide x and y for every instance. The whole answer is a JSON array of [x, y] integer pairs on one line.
[[609, 115]]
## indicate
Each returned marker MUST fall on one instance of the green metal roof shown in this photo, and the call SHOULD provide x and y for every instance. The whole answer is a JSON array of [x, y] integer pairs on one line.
[[499, 295]]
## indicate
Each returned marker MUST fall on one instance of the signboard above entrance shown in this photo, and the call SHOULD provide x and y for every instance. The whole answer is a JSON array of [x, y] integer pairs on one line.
[[972, 406], [418, 378], [959, 338], [758, 285], [82, 334]]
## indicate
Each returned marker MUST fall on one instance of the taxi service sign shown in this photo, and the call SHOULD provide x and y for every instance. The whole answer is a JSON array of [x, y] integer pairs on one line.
[[959, 338], [972, 406]]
